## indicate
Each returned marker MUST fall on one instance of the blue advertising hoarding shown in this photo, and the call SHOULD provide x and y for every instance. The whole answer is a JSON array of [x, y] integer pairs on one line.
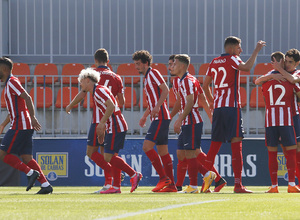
[[65, 163]]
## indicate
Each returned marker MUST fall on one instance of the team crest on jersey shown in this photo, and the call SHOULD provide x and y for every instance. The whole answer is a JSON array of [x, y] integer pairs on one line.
[[54, 165], [282, 170]]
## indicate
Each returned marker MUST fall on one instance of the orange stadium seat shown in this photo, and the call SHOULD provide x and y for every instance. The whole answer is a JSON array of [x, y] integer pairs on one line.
[[110, 67], [145, 105], [69, 70], [191, 69], [243, 77], [162, 68], [21, 69], [257, 93], [261, 69], [40, 97], [128, 69], [3, 104], [86, 99], [202, 72], [128, 99], [172, 98], [65, 95], [243, 94], [48, 70]]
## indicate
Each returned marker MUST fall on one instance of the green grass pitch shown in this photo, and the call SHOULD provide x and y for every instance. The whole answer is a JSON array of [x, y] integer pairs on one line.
[[81, 203]]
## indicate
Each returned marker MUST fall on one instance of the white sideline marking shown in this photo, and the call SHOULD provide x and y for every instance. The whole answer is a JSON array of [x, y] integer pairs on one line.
[[157, 209]]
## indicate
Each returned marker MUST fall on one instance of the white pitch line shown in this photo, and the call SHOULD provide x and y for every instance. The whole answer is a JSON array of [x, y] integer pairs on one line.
[[157, 209]]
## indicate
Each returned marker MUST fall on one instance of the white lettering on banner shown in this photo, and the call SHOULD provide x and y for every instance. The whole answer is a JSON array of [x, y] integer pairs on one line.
[[136, 164], [91, 166], [225, 164], [250, 160]]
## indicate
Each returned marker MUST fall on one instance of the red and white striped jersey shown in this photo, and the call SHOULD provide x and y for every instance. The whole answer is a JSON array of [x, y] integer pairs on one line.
[[279, 98], [226, 75], [296, 106], [152, 81], [175, 87], [112, 81], [116, 122], [190, 85], [16, 106]]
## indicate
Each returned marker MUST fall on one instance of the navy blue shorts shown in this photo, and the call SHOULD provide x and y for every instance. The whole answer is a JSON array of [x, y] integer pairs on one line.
[[158, 132], [227, 123], [296, 120], [114, 142], [17, 142], [280, 134], [190, 137], [92, 136]]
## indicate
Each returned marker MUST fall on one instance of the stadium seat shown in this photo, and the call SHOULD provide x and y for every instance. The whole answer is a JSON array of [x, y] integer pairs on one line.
[[243, 94], [257, 92], [202, 72], [110, 67], [128, 69], [48, 70], [71, 69], [40, 96], [64, 97], [21, 69], [191, 69], [162, 68], [128, 99], [3, 104], [85, 101], [172, 98], [145, 105], [261, 69], [243, 77]]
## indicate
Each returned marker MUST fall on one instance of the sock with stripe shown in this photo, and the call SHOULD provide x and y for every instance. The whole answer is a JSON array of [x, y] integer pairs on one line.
[[16, 163], [154, 158], [211, 155], [34, 165], [100, 161], [291, 164], [237, 162], [117, 176], [118, 162], [201, 158], [168, 166], [193, 171], [273, 167], [181, 171]]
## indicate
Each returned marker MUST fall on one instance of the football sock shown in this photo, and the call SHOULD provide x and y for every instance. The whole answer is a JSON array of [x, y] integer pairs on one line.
[[108, 178], [181, 171], [193, 171], [100, 161], [291, 164], [168, 166], [213, 150], [273, 167], [121, 164], [237, 162], [201, 158], [16, 163], [154, 158], [34, 165], [117, 176], [201, 168]]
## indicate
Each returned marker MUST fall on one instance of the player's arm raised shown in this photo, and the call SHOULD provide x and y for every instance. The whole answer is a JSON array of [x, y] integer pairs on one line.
[[78, 98], [187, 109], [289, 77]]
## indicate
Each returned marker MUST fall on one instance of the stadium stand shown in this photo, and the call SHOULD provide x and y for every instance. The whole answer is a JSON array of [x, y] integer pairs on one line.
[[40, 96], [65, 95], [69, 70], [244, 77], [162, 68], [261, 69], [22, 71], [85, 102], [125, 70], [257, 93], [49, 70], [243, 97], [130, 97], [172, 98], [202, 72]]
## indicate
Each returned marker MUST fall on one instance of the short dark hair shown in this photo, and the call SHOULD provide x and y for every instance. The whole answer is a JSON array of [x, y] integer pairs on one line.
[[232, 40], [172, 57], [142, 55], [277, 55], [7, 62], [293, 53], [101, 55], [183, 58]]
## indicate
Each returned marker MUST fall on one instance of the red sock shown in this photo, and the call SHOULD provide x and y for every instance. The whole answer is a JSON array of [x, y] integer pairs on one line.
[[201, 169], [117, 176], [34, 165], [181, 171], [99, 160], [211, 155], [273, 167], [108, 178], [168, 166], [237, 162], [193, 171], [154, 158], [201, 159], [291, 164], [122, 165], [298, 166], [16, 163]]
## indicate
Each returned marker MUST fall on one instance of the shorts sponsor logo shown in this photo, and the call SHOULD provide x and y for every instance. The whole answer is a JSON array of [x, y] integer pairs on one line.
[[54, 165], [282, 171]]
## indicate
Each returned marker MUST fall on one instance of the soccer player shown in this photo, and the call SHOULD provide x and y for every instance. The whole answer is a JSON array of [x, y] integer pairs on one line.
[[201, 156], [279, 98], [156, 92], [227, 120], [290, 73], [189, 123], [18, 139], [114, 83], [111, 130]]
